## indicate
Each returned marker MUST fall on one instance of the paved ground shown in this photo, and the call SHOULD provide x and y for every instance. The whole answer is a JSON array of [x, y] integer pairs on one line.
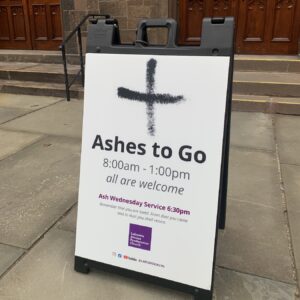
[[258, 253]]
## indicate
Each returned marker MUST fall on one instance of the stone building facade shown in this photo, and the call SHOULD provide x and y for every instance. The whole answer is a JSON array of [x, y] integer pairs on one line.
[[127, 12]]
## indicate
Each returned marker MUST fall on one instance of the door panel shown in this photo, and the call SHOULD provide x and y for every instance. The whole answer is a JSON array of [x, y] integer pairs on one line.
[[46, 28], [284, 14], [14, 25], [284, 27], [252, 27], [222, 8], [255, 21], [56, 27], [192, 12], [268, 26]]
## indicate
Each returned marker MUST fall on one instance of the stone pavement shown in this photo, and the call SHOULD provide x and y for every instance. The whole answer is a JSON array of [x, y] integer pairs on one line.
[[258, 254]]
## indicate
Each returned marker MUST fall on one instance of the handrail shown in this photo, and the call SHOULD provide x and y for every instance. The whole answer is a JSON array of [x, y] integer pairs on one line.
[[62, 47]]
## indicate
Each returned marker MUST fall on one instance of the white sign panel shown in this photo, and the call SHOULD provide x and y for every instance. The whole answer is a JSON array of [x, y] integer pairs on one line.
[[150, 164]]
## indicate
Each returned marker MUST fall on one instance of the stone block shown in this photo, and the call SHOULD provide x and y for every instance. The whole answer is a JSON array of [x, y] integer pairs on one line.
[[38, 185], [291, 180], [47, 273], [288, 138], [254, 178], [80, 5], [67, 5], [67, 116], [133, 23], [68, 222], [8, 255], [128, 36], [12, 142], [27, 102], [231, 285], [92, 5], [122, 21], [252, 130], [137, 11], [113, 8], [9, 113], [135, 2], [255, 241]]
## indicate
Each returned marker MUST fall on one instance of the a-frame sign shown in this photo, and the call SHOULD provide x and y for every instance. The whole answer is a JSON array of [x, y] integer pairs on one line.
[[154, 163]]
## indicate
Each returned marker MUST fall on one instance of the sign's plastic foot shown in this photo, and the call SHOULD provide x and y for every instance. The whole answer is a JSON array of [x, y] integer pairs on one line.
[[81, 265]]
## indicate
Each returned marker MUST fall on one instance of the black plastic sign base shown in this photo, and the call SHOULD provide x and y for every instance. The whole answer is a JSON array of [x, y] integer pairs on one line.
[[84, 266]]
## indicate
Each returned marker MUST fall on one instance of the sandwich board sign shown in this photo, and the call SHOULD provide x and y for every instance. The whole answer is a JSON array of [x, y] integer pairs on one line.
[[154, 156]]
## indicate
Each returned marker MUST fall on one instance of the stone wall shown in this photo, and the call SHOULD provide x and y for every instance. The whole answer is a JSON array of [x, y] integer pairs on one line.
[[128, 13]]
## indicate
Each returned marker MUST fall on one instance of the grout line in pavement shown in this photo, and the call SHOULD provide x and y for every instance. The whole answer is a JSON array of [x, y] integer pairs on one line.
[[14, 246], [24, 147], [285, 213], [252, 203], [266, 82], [41, 133], [255, 275], [30, 112], [36, 241], [288, 164], [252, 149], [66, 230]]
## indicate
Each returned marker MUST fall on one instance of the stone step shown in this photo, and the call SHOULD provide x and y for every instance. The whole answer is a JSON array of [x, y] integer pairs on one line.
[[39, 89], [249, 83], [245, 103], [267, 84], [267, 63], [265, 104], [36, 56], [263, 63], [36, 72]]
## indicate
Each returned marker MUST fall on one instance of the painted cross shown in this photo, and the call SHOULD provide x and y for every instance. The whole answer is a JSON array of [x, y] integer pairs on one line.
[[150, 97]]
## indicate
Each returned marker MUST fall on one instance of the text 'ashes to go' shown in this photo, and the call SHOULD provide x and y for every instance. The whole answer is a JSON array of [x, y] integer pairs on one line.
[[154, 155]]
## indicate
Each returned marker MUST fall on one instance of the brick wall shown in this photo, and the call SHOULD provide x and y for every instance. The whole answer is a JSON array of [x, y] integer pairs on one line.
[[128, 13]]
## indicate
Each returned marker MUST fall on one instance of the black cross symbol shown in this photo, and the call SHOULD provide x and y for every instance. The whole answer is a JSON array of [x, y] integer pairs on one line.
[[149, 97]]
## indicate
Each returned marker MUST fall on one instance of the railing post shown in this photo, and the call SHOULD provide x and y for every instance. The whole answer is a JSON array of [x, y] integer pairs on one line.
[[81, 55], [63, 51]]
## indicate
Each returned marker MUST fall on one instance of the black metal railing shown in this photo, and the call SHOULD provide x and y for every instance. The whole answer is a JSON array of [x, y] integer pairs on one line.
[[93, 19]]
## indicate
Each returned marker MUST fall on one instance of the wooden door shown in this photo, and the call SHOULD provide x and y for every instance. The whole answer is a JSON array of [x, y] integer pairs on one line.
[[268, 26], [192, 12], [30, 24], [45, 21], [14, 25]]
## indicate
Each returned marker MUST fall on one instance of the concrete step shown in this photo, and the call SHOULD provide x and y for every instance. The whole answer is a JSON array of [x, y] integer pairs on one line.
[[36, 72], [39, 89], [267, 84], [267, 63], [36, 56]]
